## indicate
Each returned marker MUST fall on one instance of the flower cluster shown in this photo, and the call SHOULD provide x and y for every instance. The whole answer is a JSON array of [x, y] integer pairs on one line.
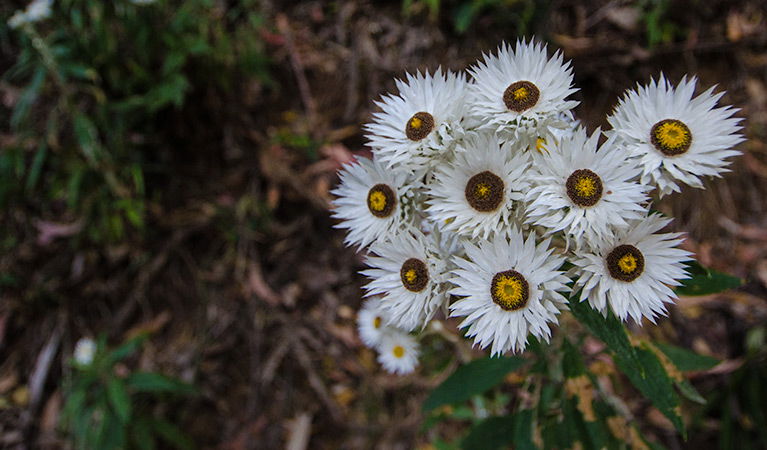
[[486, 199]]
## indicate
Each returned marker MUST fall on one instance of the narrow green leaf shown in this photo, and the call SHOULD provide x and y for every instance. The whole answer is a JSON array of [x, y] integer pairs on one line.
[[119, 398], [609, 329], [37, 165], [641, 366], [155, 382], [572, 361], [471, 379], [705, 281], [523, 430], [655, 384], [689, 391], [686, 360]]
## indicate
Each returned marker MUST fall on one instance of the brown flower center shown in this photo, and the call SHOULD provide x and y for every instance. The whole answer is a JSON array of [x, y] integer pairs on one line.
[[521, 96], [509, 290], [414, 275], [584, 187], [419, 126], [625, 263], [381, 201], [484, 191]]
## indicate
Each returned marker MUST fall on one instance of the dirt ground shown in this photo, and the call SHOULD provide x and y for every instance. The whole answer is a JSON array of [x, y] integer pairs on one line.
[[246, 286]]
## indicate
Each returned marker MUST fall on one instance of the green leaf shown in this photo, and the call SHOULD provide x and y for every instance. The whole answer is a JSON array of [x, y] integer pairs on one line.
[[686, 360], [641, 366], [87, 137], [155, 382], [689, 391], [609, 329], [652, 380], [127, 348], [705, 281], [471, 379], [119, 399]]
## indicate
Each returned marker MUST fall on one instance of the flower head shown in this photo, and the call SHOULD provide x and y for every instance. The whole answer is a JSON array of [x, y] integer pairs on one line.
[[398, 352], [480, 193], [407, 271], [520, 92], [372, 201], [677, 138], [510, 288], [417, 128], [584, 191], [631, 272]]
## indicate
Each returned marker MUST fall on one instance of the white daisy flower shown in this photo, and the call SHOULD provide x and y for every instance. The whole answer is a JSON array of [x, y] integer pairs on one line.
[[583, 191], [632, 271], [676, 137], [511, 288], [398, 352], [410, 276], [481, 191], [520, 93], [418, 126], [370, 322], [372, 201]]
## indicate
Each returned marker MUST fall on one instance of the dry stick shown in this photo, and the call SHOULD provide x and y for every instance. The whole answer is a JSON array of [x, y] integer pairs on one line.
[[40, 373], [298, 68]]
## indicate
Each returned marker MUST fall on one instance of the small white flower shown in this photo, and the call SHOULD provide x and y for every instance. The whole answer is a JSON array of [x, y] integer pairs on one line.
[[370, 322], [583, 191], [480, 193], [632, 271], [677, 138], [398, 352], [36, 11], [418, 127], [372, 201], [520, 93], [85, 350], [409, 274], [511, 288]]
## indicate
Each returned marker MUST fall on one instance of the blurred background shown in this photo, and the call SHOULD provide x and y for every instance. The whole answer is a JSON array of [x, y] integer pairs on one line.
[[164, 176]]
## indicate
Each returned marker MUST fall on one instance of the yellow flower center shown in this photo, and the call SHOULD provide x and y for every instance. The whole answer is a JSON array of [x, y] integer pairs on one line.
[[410, 276], [377, 322], [521, 93], [416, 123], [377, 201], [398, 351], [509, 290], [627, 263], [482, 190], [671, 137], [585, 187]]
